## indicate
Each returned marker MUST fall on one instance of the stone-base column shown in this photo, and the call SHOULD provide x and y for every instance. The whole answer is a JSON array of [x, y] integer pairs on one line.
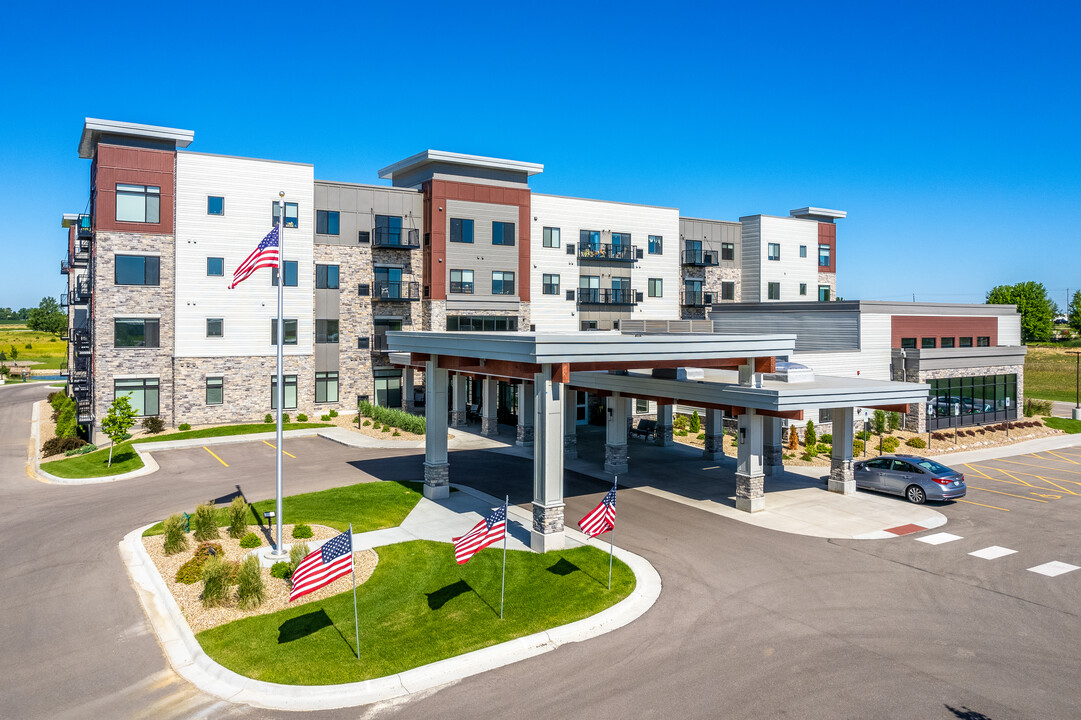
[[615, 448], [436, 460], [457, 418], [842, 480], [548, 533], [750, 492], [524, 436], [772, 448], [750, 480], [615, 459], [663, 434], [489, 425], [526, 411], [714, 429], [570, 447], [436, 480], [458, 401]]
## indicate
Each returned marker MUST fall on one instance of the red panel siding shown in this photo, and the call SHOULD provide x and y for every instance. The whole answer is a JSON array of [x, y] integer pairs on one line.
[[136, 166], [938, 327], [827, 235]]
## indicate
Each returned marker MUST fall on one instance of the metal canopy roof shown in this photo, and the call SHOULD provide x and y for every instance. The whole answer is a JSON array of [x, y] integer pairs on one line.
[[94, 128], [453, 158]]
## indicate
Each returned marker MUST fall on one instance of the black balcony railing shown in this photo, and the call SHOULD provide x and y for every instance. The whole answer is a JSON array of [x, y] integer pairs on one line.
[[81, 255], [85, 229], [701, 257], [600, 296], [461, 287], [696, 298], [65, 267], [80, 291], [400, 238], [63, 300], [81, 342], [379, 343], [385, 291], [620, 252]]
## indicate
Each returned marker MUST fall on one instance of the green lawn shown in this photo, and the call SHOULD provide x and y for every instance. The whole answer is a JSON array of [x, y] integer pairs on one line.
[[1050, 374], [225, 430], [45, 348], [418, 607], [93, 464], [369, 506], [1064, 424]]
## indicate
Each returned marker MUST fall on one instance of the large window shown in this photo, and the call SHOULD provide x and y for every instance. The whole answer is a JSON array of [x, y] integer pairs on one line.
[[290, 337], [290, 274], [774, 251], [728, 291], [983, 342], [957, 402], [966, 342], [482, 324], [326, 331], [461, 230], [388, 230], [773, 291], [292, 214], [656, 245], [589, 239], [215, 327], [327, 222], [289, 390], [823, 293], [947, 342], [502, 282], [136, 332], [461, 281], [142, 394], [388, 388], [326, 387], [215, 205], [908, 343], [728, 251], [137, 270], [215, 390], [215, 266], [551, 237], [823, 256], [138, 203], [326, 277], [656, 287], [502, 233], [928, 343], [549, 284]]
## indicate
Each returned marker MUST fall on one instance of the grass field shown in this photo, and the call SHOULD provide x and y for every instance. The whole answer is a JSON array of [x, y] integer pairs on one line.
[[48, 350], [225, 430], [1064, 424], [94, 464], [1050, 373], [419, 607]]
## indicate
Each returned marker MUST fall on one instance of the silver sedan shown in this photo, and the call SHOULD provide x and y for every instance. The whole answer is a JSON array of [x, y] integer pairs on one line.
[[917, 478]]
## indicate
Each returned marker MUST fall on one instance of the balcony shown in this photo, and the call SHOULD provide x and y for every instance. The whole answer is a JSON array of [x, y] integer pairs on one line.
[[81, 256], [384, 291], [65, 267], [81, 342], [63, 300], [598, 296], [84, 229], [81, 291], [701, 258], [696, 298], [396, 238], [379, 343], [607, 253]]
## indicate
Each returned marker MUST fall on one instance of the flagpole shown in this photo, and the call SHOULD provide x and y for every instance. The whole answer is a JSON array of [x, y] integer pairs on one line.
[[280, 391], [612, 542], [356, 623], [503, 586]]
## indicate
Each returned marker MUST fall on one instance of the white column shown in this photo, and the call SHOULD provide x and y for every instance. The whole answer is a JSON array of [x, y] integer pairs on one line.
[[489, 425], [842, 479], [525, 415], [457, 417], [615, 447], [714, 429], [663, 434], [772, 448], [570, 425], [436, 465], [549, 403], [750, 484]]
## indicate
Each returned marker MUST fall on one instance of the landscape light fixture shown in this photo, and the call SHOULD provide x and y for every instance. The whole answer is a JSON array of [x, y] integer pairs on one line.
[[269, 514]]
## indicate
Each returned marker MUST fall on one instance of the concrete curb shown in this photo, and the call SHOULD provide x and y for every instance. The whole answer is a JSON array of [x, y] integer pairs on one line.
[[225, 440], [190, 662]]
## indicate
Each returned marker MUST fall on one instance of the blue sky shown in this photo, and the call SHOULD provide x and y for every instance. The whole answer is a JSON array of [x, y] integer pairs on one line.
[[948, 131]]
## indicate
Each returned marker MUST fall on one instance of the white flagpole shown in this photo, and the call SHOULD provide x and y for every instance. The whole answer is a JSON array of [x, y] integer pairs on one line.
[[612, 543], [280, 391], [503, 586], [356, 622]]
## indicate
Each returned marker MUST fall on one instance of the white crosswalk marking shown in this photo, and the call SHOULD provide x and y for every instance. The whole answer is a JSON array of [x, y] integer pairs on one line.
[[1053, 568], [939, 538], [990, 553]]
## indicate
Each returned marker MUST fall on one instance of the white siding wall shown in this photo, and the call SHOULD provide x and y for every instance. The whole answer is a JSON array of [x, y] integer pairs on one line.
[[570, 215], [1009, 329], [791, 269], [249, 187]]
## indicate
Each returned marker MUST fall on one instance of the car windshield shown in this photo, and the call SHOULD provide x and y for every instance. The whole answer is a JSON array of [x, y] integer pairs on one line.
[[932, 466]]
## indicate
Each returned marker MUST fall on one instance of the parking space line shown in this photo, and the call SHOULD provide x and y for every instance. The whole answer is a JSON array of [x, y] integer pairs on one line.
[[999, 492], [993, 507], [1063, 458], [283, 452], [993, 552], [215, 456], [978, 472], [1042, 477], [1044, 467]]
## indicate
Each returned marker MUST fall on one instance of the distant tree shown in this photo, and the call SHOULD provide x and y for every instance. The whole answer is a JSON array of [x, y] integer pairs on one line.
[[14, 353], [117, 422], [1073, 312], [1037, 310], [47, 317]]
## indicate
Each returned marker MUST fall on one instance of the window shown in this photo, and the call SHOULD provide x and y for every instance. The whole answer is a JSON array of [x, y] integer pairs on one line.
[[138, 203], [388, 230], [326, 331], [966, 342], [803, 251], [381, 327], [823, 256], [215, 327], [482, 324], [908, 343], [983, 342], [551, 237], [136, 332], [215, 267], [142, 394], [215, 390], [641, 406], [215, 205], [728, 291], [461, 230], [928, 343], [326, 222], [502, 233], [773, 291], [388, 283], [292, 214], [656, 245], [502, 282], [589, 324], [461, 281], [620, 241], [961, 401], [388, 388], [290, 392], [728, 251], [823, 293], [656, 287], [364, 236], [326, 387], [803, 288], [137, 270], [947, 342], [589, 239], [326, 277], [549, 284], [774, 251], [290, 331], [290, 274]]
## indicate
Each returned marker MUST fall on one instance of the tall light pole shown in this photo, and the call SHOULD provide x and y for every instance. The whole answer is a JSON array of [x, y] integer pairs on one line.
[[1077, 385]]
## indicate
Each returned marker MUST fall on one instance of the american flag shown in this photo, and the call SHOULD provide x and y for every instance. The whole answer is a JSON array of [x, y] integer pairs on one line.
[[264, 256], [602, 518], [489, 530], [323, 566]]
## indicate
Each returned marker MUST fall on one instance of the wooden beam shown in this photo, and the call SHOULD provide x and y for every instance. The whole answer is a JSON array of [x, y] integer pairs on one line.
[[711, 363], [903, 409], [561, 373], [786, 414], [765, 365]]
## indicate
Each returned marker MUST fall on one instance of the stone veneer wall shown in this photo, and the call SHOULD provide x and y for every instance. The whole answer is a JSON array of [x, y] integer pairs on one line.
[[916, 418], [828, 279], [246, 392]]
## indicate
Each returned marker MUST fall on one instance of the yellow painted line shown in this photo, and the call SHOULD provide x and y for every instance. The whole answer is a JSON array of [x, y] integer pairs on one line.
[[1047, 480], [215, 456], [999, 492], [1063, 458], [982, 505], [283, 452], [1041, 467], [978, 472], [1018, 480]]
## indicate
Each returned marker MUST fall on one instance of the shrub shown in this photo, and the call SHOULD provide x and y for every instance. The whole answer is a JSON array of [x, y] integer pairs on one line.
[[863, 435], [205, 523], [878, 422], [793, 438], [824, 449], [251, 540], [183, 426], [190, 572], [176, 540], [29, 346], [249, 590], [153, 424], [301, 531], [808, 456], [367, 423], [57, 445], [50, 396], [65, 423], [680, 422], [392, 416], [216, 578], [324, 418], [296, 554], [396, 434], [333, 413], [301, 417], [268, 418], [680, 433], [890, 444], [58, 400], [809, 439], [701, 436], [386, 428], [1038, 407], [87, 448], [238, 518], [696, 423], [916, 442], [858, 446], [827, 438], [894, 419], [281, 570], [285, 418]]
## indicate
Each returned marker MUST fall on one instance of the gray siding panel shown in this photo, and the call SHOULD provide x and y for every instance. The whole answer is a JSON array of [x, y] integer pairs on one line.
[[815, 332]]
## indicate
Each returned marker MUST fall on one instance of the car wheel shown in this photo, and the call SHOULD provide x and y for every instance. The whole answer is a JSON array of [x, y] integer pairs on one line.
[[916, 495]]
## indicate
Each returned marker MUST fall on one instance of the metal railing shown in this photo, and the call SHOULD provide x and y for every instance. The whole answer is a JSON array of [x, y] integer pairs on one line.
[[604, 296], [379, 343], [696, 298], [81, 255], [81, 291], [701, 257], [383, 290], [461, 287], [401, 238], [620, 252]]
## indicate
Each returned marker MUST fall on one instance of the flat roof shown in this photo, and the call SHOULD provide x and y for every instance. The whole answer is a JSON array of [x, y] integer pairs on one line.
[[441, 156], [817, 212], [865, 306], [68, 219], [94, 128]]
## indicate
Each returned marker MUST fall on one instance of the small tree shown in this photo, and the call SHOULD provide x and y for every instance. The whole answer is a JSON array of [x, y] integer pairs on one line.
[[895, 421], [879, 422], [696, 423], [117, 422], [238, 517], [809, 437], [14, 353], [1073, 312]]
